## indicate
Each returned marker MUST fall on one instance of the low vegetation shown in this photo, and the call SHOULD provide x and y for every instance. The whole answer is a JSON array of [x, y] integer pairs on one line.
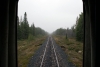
[[27, 48], [72, 48]]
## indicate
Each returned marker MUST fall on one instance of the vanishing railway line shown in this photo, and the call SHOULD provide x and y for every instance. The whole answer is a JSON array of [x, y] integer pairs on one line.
[[44, 53], [49, 55], [55, 54], [52, 46]]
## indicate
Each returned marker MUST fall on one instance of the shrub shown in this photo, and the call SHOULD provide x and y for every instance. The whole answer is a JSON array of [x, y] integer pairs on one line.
[[30, 37]]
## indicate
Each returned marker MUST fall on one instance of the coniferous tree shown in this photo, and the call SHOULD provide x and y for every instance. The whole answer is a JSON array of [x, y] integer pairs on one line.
[[25, 27], [79, 28]]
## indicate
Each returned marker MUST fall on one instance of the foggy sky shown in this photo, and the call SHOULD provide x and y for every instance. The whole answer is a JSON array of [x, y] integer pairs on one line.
[[50, 14]]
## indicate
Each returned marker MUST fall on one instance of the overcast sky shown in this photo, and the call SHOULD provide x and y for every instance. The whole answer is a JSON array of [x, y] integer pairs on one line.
[[50, 14]]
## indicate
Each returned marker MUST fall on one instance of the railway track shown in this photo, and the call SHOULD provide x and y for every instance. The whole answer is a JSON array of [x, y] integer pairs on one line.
[[49, 55]]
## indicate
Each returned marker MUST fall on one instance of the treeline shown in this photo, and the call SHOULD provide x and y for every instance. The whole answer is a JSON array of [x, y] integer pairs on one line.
[[24, 31], [76, 31]]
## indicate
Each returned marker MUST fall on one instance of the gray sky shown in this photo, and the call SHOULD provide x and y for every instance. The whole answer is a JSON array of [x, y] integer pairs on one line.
[[50, 14]]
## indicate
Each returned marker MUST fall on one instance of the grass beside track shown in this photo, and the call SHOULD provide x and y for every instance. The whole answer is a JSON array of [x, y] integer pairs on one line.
[[72, 48], [26, 49]]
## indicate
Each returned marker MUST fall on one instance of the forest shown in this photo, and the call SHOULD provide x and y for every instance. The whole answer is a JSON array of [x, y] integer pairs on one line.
[[24, 31], [76, 31]]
